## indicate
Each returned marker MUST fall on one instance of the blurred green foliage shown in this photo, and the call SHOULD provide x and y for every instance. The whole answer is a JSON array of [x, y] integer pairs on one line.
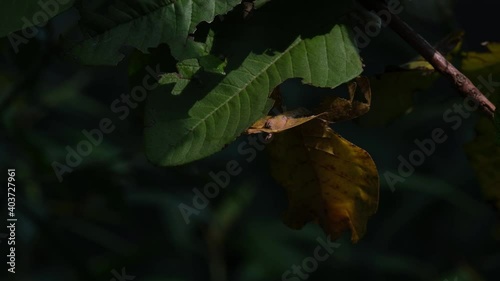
[[116, 210]]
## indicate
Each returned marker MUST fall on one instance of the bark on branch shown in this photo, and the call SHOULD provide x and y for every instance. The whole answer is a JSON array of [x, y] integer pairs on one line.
[[437, 60]]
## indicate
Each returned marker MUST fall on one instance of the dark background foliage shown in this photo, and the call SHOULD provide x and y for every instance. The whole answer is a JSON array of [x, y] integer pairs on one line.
[[116, 210]]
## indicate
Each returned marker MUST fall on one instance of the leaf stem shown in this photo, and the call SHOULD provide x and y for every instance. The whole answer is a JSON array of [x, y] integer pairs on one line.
[[436, 59]]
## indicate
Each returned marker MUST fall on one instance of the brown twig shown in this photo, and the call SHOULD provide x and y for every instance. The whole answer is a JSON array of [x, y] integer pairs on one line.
[[436, 59]]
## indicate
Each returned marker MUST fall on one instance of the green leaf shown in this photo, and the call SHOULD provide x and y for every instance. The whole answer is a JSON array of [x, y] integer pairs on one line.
[[393, 94], [19, 14], [184, 128], [484, 151], [187, 70], [145, 24], [484, 157]]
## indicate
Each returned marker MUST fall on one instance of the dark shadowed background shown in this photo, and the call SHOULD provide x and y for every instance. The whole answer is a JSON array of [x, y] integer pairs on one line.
[[115, 212]]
